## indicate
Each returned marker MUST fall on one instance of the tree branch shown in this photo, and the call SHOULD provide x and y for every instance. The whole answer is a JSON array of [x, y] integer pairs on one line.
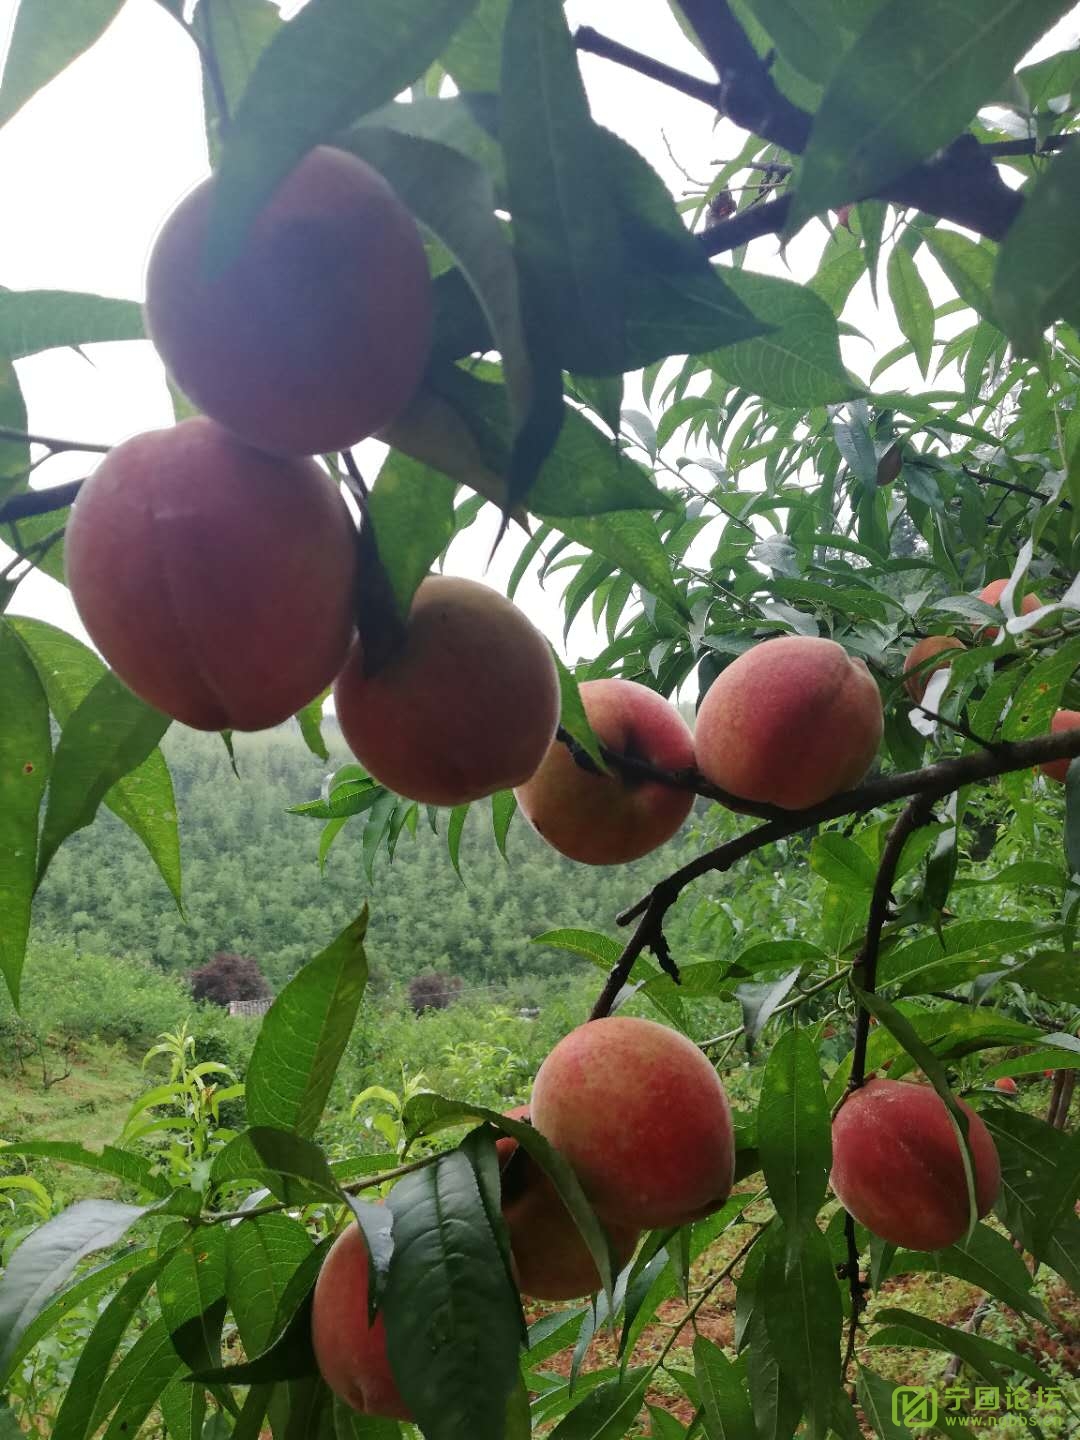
[[864, 971], [593, 43], [930, 784], [38, 502]]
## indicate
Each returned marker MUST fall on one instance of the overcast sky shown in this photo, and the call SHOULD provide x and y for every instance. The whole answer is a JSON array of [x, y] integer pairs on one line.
[[93, 163]]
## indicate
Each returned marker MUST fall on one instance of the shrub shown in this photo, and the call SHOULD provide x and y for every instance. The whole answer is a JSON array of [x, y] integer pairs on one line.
[[433, 991], [229, 977]]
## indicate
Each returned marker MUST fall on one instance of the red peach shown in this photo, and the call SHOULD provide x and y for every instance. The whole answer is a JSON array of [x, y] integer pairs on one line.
[[467, 706], [1006, 1084], [216, 581], [991, 594], [1063, 720], [642, 1117], [897, 1165], [789, 723], [350, 1353], [610, 819], [551, 1259], [319, 331], [915, 683]]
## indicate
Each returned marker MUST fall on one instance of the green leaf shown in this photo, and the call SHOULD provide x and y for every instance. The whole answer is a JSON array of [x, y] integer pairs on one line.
[[503, 807], [363, 52], [572, 716], [1037, 279], [191, 1292], [566, 232], [261, 1256], [132, 1389], [109, 1160], [799, 362], [793, 1132], [1072, 817], [294, 1169], [25, 757], [454, 828], [350, 1425], [50, 1254], [912, 303], [986, 1260], [631, 539], [726, 1413], [310, 722], [36, 320], [840, 861], [108, 735], [968, 266], [910, 83], [235, 32], [48, 35], [452, 1315], [144, 798], [608, 1411], [76, 1414], [289, 1355], [412, 510], [14, 467], [801, 1303], [474, 56], [601, 950], [876, 1398], [183, 1410], [984, 1356], [776, 1403], [304, 1035]]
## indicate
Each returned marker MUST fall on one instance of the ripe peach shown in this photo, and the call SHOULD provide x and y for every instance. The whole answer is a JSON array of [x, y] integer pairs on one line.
[[1006, 1084], [897, 1166], [216, 581], [466, 707], [1063, 720], [642, 1117], [551, 1259], [789, 723], [920, 652], [610, 819], [318, 333], [350, 1353], [991, 594]]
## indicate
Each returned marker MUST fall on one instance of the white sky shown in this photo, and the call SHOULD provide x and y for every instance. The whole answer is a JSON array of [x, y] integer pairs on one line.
[[93, 163]]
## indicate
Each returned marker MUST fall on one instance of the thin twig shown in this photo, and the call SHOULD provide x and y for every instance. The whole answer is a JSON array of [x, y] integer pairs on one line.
[[593, 43], [51, 442], [219, 1217], [39, 502]]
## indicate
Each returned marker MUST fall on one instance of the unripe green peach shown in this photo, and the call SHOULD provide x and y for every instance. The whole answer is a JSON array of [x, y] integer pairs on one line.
[[350, 1353], [467, 706], [551, 1260], [1063, 720], [915, 683], [216, 581], [642, 1117], [317, 334], [610, 819], [789, 723], [897, 1166]]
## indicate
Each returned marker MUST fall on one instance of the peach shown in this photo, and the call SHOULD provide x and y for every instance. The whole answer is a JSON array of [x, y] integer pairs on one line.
[[916, 661], [610, 819], [467, 706], [216, 581], [1063, 720], [642, 1117], [318, 332], [350, 1353], [1006, 1084], [897, 1166], [551, 1259], [789, 723], [991, 594]]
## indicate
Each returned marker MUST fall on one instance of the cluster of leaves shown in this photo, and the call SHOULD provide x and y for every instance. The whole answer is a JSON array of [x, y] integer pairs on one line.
[[759, 488]]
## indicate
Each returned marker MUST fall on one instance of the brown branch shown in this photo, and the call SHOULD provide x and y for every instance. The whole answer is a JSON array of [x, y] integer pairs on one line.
[[38, 502], [864, 972], [856, 1289], [1010, 485], [593, 43]]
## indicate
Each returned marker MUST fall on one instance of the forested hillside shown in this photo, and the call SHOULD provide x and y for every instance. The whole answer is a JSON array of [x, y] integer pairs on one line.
[[252, 881]]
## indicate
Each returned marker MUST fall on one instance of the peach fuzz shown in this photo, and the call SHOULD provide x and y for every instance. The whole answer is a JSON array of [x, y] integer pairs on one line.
[[922, 651], [551, 1260], [467, 706], [991, 595], [317, 334], [897, 1166], [642, 1117], [1063, 720], [350, 1353], [609, 819], [789, 723], [216, 581]]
